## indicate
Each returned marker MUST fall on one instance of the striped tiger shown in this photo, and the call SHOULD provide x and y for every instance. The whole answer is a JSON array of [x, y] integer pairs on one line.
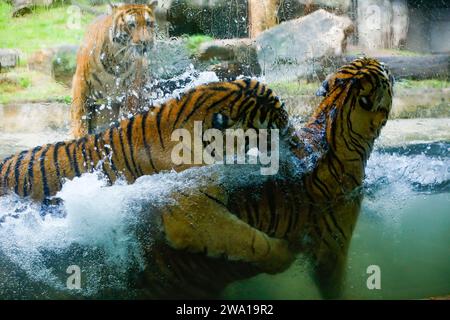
[[314, 211], [142, 145], [110, 78]]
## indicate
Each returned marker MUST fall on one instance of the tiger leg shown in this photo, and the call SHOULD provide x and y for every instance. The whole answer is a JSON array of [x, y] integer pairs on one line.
[[198, 223], [331, 253], [329, 271], [78, 110]]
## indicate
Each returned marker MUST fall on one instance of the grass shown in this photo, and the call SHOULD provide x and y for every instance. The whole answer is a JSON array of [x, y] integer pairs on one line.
[[44, 27], [423, 84], [193, 42], [294, 88], [22, 85]]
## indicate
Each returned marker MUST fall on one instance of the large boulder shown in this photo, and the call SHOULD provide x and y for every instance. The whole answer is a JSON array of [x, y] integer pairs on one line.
[[296, 48]]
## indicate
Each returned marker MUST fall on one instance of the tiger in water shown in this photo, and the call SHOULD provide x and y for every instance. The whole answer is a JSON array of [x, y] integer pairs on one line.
[[112, 68], [142, 145], [220, 233], [211, 228]]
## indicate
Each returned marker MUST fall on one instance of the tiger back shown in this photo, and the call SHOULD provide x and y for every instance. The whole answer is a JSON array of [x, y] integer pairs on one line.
[[143, 144]]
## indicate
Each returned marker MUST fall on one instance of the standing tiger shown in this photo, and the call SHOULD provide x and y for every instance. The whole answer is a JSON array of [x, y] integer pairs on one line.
[[112, 68], [314, 209]]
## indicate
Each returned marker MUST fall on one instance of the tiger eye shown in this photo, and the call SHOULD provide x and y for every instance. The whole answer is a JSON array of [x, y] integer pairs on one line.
[[364, 102]]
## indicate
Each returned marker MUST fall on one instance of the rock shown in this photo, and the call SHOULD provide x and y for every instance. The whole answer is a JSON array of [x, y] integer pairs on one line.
[[41, 60], [22, 7], [59, 62], [236, 57], [64, 64], [295, 48], [169, 59], [9, 58]]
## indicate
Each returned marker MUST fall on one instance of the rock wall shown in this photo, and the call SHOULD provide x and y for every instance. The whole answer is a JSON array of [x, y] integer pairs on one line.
[[374, 23], [429, 30], [382, 23], [440, 30], [400, 23]]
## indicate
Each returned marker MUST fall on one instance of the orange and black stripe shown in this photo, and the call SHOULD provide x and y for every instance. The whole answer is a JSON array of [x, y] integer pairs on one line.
[[316, 210], [142, 144]]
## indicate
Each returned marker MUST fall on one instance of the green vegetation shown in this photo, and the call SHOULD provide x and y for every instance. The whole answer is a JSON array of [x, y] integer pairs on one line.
[[22, 85], [44, 27], [193, 42], [294, 88], [24, 82], [423, 84]]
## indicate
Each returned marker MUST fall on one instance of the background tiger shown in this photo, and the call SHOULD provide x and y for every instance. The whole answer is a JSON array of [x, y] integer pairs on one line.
[[142, 144], [112, 67], [314, 210]]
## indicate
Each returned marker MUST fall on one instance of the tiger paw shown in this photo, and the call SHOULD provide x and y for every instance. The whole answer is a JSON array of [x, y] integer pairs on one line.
[[278, 258]]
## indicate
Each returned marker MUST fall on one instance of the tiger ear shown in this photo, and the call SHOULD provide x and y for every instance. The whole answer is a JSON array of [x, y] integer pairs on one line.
[[112, 5], [153, 4]]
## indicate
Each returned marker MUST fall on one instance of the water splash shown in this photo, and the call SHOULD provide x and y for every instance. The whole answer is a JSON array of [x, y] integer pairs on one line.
[[99, 232], [395, 174]]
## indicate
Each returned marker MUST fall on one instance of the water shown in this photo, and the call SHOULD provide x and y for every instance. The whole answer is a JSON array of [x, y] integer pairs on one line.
[[403, 227]]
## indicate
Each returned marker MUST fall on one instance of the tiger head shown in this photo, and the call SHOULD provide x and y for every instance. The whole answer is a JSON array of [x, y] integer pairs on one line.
[[358, 99], [133, 27]]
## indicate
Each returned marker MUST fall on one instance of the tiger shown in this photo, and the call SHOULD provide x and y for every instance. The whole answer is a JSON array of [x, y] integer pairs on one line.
[[142, 144], [112, 68], [314, 210]]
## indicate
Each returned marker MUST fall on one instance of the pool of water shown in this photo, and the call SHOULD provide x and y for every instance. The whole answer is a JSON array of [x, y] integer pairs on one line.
[[404, 225], [404, 228]]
